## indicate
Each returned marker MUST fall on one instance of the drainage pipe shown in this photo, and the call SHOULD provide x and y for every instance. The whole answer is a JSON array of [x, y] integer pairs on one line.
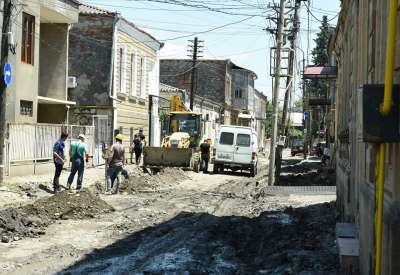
[[385, 110]]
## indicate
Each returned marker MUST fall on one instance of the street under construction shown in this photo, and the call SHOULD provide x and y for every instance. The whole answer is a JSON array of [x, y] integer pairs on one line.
[[207, 137], [187, 223]]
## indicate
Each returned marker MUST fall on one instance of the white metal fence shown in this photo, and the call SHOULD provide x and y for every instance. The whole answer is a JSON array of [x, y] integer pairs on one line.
[[34, 142]]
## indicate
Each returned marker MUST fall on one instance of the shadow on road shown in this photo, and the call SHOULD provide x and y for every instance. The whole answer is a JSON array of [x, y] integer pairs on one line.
[[288, 242]]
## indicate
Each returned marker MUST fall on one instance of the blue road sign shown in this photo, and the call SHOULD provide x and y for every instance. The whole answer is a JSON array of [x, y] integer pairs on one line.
[[7, 74], [306, 115]]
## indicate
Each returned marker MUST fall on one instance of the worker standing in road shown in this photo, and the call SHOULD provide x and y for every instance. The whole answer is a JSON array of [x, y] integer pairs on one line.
[[137, 148], [78, 152], [59, 159], [139, 142], [205, 155], [116, 164]]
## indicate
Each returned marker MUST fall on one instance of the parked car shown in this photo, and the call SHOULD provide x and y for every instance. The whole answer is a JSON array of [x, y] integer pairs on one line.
[[235, 148], [297, 147]]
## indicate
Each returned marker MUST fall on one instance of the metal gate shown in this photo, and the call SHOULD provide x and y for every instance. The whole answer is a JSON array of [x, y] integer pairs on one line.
[[101, 137]]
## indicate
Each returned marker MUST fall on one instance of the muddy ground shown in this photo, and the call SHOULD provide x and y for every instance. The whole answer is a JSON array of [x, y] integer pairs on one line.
[[187, 223]]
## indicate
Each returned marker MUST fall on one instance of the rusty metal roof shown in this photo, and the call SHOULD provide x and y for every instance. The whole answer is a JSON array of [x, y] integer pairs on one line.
[[314, 72]]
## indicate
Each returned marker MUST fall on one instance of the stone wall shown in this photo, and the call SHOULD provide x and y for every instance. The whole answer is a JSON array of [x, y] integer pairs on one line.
[[90, 52]]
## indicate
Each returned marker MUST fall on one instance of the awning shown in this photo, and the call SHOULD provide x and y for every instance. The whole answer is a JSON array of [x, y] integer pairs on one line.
[[320, 72], [49, 100]]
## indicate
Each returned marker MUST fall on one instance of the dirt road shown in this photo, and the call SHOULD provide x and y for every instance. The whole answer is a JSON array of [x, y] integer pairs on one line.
[[205, 224]]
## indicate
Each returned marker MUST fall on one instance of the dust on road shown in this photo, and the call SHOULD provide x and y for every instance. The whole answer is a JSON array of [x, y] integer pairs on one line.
[[191, 224]]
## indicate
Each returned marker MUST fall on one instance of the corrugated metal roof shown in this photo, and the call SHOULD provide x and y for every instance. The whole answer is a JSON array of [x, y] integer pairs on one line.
[[312, 72], [168, 88], [90, 9]]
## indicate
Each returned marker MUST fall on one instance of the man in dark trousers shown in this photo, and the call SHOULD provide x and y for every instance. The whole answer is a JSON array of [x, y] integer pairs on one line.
[[137, 148], [78, 151], [59, 159], [116, 163], [205, 155], [139, 142]]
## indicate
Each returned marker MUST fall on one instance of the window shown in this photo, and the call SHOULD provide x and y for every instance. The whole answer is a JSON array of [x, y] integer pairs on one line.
[[133, 74], [26, 108], [28, 38], [243, 140], [238, 93], [142, 74], [226, 138], [122, 70]]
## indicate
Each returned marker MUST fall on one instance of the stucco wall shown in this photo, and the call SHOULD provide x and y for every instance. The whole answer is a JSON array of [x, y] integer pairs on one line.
[[53, 61], [54, 114], [25, 76]]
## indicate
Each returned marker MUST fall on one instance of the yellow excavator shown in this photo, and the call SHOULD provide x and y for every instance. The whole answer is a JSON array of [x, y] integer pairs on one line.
[[181, 141]]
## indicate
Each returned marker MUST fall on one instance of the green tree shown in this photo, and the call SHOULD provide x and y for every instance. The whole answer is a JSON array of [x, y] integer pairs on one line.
[[298, 106], [269, 120], [319, 87], [319, 53]]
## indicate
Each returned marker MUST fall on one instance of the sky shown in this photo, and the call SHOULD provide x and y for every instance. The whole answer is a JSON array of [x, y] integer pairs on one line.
[[236, 32]]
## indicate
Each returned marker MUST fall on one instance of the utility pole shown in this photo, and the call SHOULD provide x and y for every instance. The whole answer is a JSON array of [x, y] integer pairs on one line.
[[3, 88], [194, 49], [271, 175], [289, 78]]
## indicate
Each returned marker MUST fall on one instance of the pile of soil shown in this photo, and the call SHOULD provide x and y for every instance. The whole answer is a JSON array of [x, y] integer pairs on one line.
[[31, 220], [166, 177], [142, 181], [307, 174]]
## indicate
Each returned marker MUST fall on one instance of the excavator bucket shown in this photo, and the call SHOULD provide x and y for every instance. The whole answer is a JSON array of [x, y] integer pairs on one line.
[[167, 157]]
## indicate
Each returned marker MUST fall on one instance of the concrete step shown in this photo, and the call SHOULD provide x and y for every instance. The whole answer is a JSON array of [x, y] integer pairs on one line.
[[349, 248]]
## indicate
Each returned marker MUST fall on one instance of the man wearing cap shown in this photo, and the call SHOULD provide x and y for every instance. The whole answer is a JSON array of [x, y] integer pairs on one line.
[[78, 152], [115, 163]]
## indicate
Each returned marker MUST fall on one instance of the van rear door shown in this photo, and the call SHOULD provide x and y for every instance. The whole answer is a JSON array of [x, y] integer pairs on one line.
[[243, 148], [225, 146]]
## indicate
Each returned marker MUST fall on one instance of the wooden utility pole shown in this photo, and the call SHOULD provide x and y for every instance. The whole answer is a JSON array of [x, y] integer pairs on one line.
[[272, 154], [194, 49], [3, 88]]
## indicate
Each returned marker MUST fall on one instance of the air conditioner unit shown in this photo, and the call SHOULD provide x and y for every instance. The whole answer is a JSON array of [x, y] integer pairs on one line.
[[72, 83]]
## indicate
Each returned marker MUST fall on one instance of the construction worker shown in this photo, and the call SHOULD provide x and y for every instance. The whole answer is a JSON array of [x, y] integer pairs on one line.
[[78, 153], [116, 163], [59, 159], [137, 148], [205, 155], [139, 142]]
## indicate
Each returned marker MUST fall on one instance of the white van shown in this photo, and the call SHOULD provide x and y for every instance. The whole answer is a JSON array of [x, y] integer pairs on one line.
[[235, 148]]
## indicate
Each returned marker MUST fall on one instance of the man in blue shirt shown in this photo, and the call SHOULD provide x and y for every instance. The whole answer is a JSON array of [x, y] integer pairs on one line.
[[59, 159]]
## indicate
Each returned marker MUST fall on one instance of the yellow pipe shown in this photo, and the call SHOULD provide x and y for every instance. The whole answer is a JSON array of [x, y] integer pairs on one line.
[[390, 55], [385, 110]]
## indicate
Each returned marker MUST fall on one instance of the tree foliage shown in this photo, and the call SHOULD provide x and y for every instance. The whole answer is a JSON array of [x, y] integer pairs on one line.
[[298, 106], [319, 53]]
